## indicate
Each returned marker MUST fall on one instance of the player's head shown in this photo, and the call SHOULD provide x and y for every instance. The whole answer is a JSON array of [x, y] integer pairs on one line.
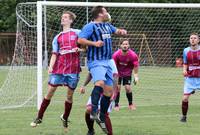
[[125, 45], [194, 39], [67, 18], [100, 13]]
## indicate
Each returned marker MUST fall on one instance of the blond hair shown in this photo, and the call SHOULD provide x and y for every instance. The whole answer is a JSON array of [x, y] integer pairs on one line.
[[194, 33], [71, 15]]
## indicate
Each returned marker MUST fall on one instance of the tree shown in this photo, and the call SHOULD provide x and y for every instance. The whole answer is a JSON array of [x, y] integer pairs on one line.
[[7, 16]]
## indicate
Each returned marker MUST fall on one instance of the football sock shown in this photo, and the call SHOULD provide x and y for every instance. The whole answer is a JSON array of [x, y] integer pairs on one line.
[[95, 96], [105, 102], [184, 108], [108, 124], [89, 122], [129, 97], [68, 107], [43, 108], [117, 99]]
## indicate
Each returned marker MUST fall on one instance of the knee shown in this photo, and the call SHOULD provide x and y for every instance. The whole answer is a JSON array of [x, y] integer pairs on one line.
[[88, 109], [99, 83], [128, 89], [185, 98], [49, 94], [70, 98]]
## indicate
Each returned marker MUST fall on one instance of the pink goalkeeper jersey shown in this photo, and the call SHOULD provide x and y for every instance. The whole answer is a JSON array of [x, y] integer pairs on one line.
[[191, 58], [125, 63], [66, 63]]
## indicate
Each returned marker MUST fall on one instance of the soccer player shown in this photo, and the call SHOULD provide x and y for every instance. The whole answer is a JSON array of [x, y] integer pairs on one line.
[[97, 36], [89, 121], [63, 69], [126, 61], [191, 72]]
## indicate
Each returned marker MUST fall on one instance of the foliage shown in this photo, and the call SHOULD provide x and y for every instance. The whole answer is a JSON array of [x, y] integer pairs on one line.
[[7, 15]]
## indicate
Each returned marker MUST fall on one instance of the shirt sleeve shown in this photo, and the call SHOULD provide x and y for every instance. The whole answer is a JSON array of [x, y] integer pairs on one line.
[[86, 31], [55, 46], [185, 55], [113, 29], [135, 60], [77, 31]]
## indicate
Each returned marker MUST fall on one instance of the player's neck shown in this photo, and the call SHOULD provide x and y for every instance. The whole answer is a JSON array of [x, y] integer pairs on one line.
[[124, 52], [66, 28], [98, 20], [195, 47]]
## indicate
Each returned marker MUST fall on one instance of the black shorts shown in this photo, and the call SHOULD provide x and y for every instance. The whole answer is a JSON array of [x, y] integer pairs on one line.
[[126, 80]]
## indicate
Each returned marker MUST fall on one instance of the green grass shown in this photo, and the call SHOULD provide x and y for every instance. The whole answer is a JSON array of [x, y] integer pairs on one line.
[[158, 98]]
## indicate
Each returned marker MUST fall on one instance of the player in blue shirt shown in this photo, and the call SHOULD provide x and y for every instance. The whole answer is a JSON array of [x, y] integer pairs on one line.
[[97, 36]]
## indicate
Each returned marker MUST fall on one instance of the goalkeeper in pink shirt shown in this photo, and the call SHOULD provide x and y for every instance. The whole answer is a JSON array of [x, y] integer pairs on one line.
[[127, 62]]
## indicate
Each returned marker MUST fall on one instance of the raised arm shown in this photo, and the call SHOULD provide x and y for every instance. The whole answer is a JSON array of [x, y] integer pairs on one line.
[[84, 41], [121, 32]]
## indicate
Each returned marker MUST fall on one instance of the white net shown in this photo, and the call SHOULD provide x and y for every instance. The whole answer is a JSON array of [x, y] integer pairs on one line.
[[158, 35]]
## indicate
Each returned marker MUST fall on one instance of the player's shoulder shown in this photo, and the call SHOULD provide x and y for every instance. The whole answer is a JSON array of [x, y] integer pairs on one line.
[[132, 52], [77, 31], [90, 24], [117, 52], [187, 49], [57, 35]]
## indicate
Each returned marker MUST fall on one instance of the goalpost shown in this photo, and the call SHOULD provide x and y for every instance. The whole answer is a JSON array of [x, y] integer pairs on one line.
[[162, 30]]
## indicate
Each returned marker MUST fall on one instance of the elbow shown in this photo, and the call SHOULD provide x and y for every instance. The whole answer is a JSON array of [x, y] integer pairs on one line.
[[80, 41]]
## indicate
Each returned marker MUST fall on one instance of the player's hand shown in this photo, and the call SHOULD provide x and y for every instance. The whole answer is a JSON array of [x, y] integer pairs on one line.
[[50, 69], [99, 43], [76, 49], [122, 32], [185, 72], [136, 80], [82, 90]]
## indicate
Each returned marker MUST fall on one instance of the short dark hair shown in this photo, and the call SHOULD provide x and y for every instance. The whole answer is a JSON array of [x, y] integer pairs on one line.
[[123, 39], [95, 11]]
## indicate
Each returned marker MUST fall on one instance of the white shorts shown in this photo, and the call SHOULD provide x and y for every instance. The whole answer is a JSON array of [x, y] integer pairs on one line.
[[191, 84]]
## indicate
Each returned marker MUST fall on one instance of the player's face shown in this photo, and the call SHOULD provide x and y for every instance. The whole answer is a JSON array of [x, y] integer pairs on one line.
[[66, 20], [104, 15], [125, 46], [194, 40]]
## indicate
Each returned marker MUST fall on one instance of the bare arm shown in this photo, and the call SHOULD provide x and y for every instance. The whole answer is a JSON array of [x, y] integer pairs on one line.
[[86, 42], [121, 32], [185, 69], [88, 79], [135, 74], [52, 62]]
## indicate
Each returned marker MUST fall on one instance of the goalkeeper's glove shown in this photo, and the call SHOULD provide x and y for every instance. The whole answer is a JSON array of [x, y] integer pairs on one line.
[[136, 80]]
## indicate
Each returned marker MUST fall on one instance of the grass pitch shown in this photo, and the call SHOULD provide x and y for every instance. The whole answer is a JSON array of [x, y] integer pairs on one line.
[[158, 100]]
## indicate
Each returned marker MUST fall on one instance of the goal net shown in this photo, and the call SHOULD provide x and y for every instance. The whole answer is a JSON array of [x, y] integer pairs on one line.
[[157, 32]]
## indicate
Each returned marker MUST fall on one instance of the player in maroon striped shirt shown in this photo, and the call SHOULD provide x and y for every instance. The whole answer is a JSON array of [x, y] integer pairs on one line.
[[126, 61], [64, 67], [191, 72]]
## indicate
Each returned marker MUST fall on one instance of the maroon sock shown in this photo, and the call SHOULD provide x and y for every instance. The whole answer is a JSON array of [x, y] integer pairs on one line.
[[43, 108], [89, 122], [184, 108], [108, 124], [68, 107]]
